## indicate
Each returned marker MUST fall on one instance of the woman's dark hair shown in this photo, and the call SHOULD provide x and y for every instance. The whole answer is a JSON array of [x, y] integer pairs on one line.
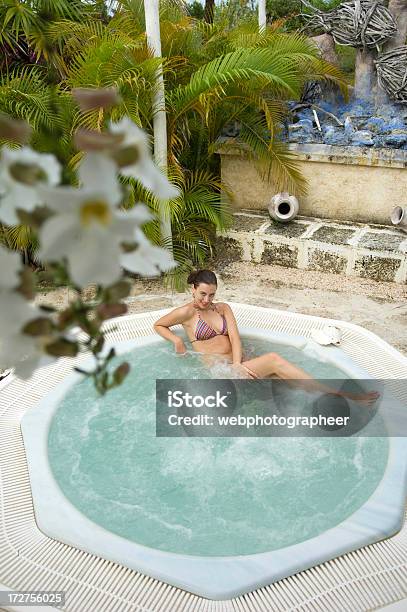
[[202, 276]]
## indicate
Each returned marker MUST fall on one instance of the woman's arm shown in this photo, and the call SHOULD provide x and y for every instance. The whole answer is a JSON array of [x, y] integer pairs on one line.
[[233, 334], [175, 317]]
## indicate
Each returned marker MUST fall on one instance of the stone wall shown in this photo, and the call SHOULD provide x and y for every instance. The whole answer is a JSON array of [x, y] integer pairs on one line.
[[345, 183], [365, 251]]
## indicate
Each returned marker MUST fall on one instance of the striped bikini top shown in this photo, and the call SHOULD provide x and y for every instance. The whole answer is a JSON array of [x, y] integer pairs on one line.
[[204, 331]]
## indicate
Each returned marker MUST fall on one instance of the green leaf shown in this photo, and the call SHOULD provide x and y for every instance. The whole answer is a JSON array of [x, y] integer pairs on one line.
[[62, 348]]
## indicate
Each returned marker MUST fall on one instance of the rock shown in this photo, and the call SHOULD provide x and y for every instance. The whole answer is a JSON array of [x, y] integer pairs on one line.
[[364, 126], [379, 141], [362, 138], [374, 124], [335, 136], [394, 124], [303, 137], [306, 124], [349, 127], [296, 134], [362, 109], [305, 113], [388, 111], [328, 106], [396, 139], [302, 128], [338, 139]]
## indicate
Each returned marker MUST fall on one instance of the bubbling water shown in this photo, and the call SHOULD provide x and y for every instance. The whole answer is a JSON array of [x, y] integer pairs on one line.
[[203, 496]]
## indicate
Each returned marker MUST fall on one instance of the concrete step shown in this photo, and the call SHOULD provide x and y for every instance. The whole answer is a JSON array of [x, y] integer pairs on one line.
[[376, 252]]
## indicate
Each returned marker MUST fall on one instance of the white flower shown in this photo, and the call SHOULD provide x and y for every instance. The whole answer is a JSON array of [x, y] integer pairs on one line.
[[16, 311], [21, 170], [147, 259], [144, 170], [88, 229], [10, 266], [25, 356], [19, 350]]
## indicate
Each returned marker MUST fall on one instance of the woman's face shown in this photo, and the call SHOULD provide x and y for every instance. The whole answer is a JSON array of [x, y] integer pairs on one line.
[[204, 295]]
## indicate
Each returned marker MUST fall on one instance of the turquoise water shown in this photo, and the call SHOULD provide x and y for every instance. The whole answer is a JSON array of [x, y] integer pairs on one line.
[[203, 496]]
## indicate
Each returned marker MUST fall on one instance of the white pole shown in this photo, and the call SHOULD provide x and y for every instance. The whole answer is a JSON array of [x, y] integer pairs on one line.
[[152, 15], [262, 15]]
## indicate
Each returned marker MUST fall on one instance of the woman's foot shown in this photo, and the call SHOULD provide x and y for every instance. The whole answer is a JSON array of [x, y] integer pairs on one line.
[[365, 399]]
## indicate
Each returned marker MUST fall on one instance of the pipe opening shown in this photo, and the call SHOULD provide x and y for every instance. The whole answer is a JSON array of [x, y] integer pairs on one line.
[[284, 208], [397, 215]]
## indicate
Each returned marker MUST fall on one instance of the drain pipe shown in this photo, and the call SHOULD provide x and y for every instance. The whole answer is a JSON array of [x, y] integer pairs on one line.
[[399, 217], [283, 207]]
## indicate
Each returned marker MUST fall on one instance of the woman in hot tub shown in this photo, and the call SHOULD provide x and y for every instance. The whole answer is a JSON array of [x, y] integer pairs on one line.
[[212, 330]]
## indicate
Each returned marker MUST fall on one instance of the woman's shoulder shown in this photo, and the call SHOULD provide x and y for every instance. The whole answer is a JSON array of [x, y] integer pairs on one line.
[[222, 307], [186, 310], [178, 315]]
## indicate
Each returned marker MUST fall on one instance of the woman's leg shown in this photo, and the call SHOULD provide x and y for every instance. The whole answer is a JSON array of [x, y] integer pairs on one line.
[[272, 364]]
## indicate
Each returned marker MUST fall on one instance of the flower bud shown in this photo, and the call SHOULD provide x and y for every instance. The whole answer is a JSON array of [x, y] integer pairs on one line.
[[29, 174], [91, 140], [126, 156], [129, 247], [121, 372], [35, 218], [90, 98]]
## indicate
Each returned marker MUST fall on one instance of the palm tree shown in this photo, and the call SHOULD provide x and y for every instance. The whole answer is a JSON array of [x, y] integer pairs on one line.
[[152, 19], [214, 74], [209, 11], [23, 30], [262, 15]]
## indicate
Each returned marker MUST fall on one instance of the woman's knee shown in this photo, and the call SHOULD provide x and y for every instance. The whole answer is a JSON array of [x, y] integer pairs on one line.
[[275, 359]]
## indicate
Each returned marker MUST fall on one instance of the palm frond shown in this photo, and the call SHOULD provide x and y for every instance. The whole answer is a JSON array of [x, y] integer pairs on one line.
[[19, 238], [264, 67], [25, 94], [275, 162], [17, 20]]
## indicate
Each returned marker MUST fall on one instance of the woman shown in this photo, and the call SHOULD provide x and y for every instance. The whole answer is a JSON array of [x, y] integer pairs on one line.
[[212, 330]]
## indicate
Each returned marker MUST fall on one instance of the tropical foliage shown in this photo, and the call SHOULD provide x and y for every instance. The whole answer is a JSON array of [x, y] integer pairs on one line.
[[215, 75], [85, 238]]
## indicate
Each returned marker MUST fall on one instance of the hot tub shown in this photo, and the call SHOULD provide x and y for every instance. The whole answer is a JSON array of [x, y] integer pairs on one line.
[[277, 506]]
